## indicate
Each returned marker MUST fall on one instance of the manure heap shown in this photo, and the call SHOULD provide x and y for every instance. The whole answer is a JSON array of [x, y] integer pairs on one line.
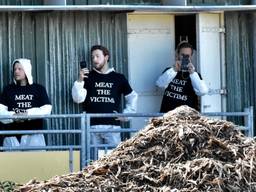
[[180, 151]]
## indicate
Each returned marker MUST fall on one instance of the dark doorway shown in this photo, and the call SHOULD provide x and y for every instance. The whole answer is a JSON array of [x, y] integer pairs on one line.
[[185, 29]]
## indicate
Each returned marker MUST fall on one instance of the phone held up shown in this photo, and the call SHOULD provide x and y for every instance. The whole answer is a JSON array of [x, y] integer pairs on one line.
[[83, 64], [184, 63]]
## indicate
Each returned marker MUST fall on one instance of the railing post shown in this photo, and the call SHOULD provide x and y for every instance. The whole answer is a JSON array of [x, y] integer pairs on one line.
[[83, 141], [252, 119], [71, 160], [88, 139], [249, 121]]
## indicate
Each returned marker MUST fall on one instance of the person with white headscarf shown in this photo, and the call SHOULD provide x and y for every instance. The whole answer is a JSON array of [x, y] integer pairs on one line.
[[23, 97]]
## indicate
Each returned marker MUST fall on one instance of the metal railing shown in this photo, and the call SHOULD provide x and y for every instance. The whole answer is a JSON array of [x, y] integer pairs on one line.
[[70, 148], [85, 131], [129, 8]]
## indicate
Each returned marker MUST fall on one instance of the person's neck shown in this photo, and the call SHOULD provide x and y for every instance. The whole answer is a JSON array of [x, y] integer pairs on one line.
[[22, 82], [104, 69]]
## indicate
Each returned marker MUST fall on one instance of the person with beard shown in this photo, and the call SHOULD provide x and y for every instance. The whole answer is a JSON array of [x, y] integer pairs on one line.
[[181, 82], [100, 91], [21, 98]]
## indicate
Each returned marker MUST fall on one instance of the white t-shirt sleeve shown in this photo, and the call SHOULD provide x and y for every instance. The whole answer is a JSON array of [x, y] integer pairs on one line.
[[166, 77], [4, 112], [198, 84], [79, 92], [131, 102], [43, 110]]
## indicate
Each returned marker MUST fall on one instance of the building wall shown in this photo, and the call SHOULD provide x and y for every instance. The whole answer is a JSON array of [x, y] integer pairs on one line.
[[21, 2], [218, 2], [80, 2], [56, 42], [157, 2], [120, 2], [240, 66], [124, 2]]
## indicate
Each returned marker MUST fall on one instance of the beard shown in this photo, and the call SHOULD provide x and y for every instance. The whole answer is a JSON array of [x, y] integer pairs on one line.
[[100, 66]]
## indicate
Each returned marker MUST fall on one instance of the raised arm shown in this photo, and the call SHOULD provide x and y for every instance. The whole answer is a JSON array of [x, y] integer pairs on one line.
[[166, 77], [198, 84]]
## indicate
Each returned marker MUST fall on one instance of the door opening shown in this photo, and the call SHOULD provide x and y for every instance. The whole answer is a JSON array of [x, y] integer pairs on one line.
[[185, 30]]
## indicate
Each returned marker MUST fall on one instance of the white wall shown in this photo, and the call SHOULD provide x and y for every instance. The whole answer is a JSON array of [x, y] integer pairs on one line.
[[150, 51], [210, 51]]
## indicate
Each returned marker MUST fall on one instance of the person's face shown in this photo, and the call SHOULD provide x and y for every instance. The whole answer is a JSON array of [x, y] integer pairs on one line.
[[185, 51], [19, 73], [98, 59]]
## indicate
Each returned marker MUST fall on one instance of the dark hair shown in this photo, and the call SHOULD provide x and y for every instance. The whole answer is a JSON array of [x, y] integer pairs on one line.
[[184, 44], [102, 48], [13, 65]]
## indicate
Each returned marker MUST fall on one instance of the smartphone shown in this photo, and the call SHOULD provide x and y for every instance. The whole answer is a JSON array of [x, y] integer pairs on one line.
[[83, 64], [184, 62]]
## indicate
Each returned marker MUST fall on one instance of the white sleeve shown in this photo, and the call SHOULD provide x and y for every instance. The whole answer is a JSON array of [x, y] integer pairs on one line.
[[4, 111], [79, 92], [44, 110], [131, 102], [164, 80], [198, 84]]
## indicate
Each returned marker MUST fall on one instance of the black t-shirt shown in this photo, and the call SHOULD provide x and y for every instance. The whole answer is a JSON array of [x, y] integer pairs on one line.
[[179, 92], [19, 99], [104, 93]]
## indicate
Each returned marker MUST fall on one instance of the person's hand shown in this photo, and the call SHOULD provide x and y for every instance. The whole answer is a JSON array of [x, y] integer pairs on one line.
[[20, 115], [83, 73], [122, 119], [191, 68], [177, 66]]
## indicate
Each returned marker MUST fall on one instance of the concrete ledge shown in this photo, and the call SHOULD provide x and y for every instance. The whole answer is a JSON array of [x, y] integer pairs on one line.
[[21, 167]]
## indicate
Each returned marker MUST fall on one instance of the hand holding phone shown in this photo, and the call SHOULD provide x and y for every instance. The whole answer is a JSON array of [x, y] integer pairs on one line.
[[83, 71], [83, 64], [184, 62]]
